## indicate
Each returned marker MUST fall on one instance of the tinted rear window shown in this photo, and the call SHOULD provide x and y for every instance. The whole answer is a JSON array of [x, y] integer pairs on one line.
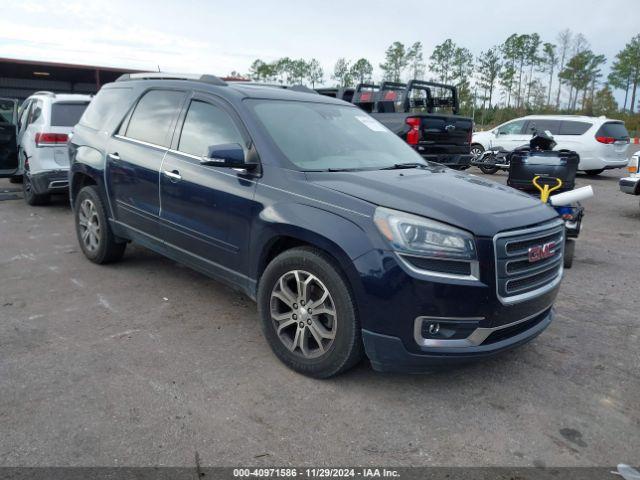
[[574, 128], [543, 125], [67, 114], [154, 115], [616, 130], [107, 107]]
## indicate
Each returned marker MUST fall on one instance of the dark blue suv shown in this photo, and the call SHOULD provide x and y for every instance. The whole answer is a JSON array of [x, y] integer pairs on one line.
[[348, 240]]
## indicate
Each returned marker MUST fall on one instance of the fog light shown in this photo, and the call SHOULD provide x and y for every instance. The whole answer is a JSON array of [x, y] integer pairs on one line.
[[447, 330]]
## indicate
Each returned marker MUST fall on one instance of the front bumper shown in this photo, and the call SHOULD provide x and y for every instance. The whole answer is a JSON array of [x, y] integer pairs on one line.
[[388, 353], [614, 165], [51, 181], [630, 185], [471, 317]]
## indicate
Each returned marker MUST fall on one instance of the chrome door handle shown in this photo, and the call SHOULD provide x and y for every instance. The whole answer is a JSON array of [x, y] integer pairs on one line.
[[114, 156], [173, 176]]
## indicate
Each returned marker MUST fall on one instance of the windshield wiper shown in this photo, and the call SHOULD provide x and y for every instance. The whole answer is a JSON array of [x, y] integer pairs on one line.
[[343, 169], [398, 166]]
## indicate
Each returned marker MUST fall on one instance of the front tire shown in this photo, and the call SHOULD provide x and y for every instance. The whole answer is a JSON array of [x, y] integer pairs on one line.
[[30, 196], [97, 241], [569, 250], [308, 313], [593, 173], [476, 150]]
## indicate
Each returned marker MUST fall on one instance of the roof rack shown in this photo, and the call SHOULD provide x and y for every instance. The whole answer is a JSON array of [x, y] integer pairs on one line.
[[212, 79], [295, 88]]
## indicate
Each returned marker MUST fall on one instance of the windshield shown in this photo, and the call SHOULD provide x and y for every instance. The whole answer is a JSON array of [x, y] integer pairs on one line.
[[317, 136]]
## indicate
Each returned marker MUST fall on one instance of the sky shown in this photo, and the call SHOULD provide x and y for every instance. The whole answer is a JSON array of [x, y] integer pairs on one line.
[[219, 36]]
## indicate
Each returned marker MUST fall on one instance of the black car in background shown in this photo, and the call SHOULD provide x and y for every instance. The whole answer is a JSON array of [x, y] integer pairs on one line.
[[424, 114]]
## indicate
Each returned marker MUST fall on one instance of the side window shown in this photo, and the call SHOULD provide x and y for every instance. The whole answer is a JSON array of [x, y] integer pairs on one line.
[[154, 115], [543, 125], [206, 125], [107, 108], [36, 112], [574, 128], [512, 128]]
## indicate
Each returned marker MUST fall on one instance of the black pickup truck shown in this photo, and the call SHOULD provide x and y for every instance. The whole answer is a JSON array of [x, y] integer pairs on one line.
[[424, 114]]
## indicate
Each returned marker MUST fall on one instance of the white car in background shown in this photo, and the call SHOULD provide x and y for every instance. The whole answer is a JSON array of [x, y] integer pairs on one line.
[[601, 143], [45, 121], [631, 184]]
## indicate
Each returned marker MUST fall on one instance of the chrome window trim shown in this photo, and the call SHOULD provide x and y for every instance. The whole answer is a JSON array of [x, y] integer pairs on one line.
[[142, 142], [476, 337], [475, 267], [539, 291]]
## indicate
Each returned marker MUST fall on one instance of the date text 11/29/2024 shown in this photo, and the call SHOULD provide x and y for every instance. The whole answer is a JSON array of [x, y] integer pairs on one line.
[[315, 473]]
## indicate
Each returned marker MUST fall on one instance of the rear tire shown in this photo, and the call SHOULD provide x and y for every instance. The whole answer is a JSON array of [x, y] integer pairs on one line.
[[569, 249], [30, 196], [488, 170], [593, 173], [319, 345], [96, 239]]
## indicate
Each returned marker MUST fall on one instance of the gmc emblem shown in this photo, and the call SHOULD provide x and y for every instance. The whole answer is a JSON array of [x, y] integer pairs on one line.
[[540, 252]]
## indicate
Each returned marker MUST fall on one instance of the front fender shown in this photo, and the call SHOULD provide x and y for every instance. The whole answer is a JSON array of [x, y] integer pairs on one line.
[[345, 239]]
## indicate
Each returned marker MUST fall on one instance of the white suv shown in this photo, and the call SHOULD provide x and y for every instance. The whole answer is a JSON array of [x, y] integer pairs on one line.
[[45, 121], [600, 142]]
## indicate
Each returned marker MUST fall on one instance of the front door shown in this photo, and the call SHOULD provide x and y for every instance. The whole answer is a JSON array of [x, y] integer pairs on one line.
[[207, 210], [8, 137], [512, 135], [134, 157]]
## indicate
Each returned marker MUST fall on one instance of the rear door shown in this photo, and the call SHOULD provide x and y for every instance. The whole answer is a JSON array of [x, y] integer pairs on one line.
[[8, 137], [134, 157]]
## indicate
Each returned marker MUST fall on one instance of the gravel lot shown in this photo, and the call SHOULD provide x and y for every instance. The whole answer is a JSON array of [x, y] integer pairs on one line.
[[146, 362]]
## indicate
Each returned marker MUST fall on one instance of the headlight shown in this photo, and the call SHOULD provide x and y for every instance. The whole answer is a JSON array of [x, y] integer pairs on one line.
[[420, 236]]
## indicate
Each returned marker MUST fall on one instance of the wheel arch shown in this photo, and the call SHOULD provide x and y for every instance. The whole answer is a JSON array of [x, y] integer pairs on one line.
[[82, 175], [338, 237]]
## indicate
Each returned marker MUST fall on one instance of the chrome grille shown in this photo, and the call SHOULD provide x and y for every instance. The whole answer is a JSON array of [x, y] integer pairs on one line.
[[518, 278]]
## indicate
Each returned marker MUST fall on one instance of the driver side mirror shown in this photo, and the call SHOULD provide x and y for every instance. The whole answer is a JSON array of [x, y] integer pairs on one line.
[[230, 155]]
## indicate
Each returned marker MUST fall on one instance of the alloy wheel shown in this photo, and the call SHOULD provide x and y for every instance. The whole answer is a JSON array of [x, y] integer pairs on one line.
[[303, 314], [89, 224], [475, 152]]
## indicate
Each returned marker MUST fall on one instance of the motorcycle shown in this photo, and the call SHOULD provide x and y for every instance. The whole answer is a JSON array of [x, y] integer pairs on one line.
[[492, 160]]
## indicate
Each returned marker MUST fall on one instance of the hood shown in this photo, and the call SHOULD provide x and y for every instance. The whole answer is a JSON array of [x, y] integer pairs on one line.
[[460, 199]]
